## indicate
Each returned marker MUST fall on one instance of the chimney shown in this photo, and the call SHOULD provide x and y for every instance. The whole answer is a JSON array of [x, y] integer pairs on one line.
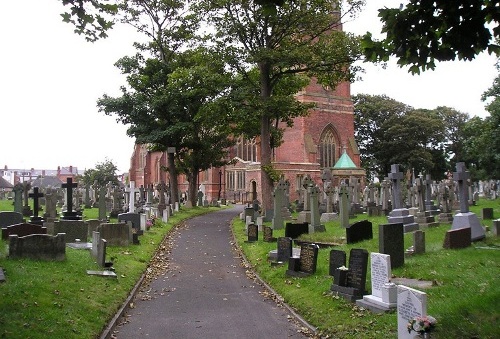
[[70, 169]]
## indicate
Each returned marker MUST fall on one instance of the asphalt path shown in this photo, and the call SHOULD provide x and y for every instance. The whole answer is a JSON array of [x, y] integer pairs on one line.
[[202, 290]]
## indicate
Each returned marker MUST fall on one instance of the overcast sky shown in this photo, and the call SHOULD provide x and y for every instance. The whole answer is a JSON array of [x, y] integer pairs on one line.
[[50, 80]]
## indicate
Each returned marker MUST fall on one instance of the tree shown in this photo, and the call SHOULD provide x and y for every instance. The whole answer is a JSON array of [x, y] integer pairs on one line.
[[428, 31], [371, 114], [90, 17], [267, 46], [103, 173], [389, 132]]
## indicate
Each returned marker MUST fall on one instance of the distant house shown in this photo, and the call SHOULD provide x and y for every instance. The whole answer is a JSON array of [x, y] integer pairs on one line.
[[5, 186], [14, 176]]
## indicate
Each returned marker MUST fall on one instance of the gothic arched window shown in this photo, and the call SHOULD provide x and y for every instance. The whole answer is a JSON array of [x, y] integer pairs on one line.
[[327, 154]]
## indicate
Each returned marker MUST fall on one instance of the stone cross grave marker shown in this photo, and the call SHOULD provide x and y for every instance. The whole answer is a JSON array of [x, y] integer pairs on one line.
[[396, 176], [18, 198], [461, 176], [69, 214], [36, 195], [344, 205], [315, 224]]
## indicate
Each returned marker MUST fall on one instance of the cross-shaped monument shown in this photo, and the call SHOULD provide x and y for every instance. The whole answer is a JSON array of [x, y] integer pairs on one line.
[[465, 218], [69, 214], [35, 219]]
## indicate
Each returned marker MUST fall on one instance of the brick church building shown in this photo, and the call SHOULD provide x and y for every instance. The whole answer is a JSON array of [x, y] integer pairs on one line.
[[322, 141]]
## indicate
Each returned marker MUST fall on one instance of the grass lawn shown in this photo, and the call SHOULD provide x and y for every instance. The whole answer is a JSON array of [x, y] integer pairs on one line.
[[42, 299], [465, 297]]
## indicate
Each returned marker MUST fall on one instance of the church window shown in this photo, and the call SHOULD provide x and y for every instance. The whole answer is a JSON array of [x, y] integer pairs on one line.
[[246, 150], [327, 156]]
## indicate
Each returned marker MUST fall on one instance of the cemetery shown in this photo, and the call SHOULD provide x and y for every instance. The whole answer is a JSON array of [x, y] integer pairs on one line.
[[369, 278]]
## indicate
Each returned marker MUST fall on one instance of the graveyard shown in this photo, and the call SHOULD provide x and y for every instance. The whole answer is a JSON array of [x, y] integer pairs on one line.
[[59, 298], [462, 285]]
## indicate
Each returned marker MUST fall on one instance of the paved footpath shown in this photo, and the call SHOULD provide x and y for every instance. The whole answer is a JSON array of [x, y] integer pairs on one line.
[[204, 291]]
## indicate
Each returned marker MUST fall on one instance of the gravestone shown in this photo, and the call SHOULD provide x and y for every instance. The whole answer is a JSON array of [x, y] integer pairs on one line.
[[253, 233], [278, 203], [384, 295], [306, 263], [22, 230], [495, 228], [283, 252], [411, 303], [344, 205], [329, 215], [295, 230], [74, 229], [315, 224], [36, 195], [69, 213], [399, 214], [418, 242], [457, 238], [116, 234], [38, 247], [50, 204], [268, 234], [92, 225], [487, 213], [8, 218], [466, 218], [134, 218], [356, 276], [359, 231], [18, 197], [98, 250], [391, 242], [337, 259]]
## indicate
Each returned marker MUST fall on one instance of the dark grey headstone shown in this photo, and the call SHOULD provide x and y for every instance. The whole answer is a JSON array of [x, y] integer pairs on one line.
[[337, 259], [284, 249], [253, 233], [268, 234], [134, 218], [358, 265], [308, 258], [74, 229], [487, 213], [23, 230], [116, 234], [359, 231], [8, 218], [295, 230], [391, 241], [458, 238], [418, 242]]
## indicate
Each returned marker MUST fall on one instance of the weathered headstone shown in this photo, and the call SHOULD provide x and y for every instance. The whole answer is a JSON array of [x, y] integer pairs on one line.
[[487, 213], [315, 224], [253, 233], [304, 265], [38, 247], [344, 205], [22, 230], [74, 229], [134, 218], [268, 234], [116, 234], [495, 228], [391, 241], [98, 250], [359, 231], [411, 303]]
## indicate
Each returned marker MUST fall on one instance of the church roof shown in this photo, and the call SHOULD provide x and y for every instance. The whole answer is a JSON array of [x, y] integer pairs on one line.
[[344, 162]]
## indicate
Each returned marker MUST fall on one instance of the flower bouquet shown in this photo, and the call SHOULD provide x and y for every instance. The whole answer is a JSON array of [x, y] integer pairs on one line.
[[422, 325]]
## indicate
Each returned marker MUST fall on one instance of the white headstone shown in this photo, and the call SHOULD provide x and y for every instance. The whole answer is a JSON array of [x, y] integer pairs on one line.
[[380, 298], [411, 303], [131, 201]]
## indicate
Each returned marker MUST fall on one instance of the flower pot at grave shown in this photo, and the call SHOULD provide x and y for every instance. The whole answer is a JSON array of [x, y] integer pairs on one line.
[[340, 277]]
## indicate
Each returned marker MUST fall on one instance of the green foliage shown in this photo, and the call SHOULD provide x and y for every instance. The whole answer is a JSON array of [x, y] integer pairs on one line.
[[428, 31], [103, 173], [90, 17]]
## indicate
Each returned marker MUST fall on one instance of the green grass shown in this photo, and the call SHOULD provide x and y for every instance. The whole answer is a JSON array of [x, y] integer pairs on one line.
[[42, 299], [465, 299]]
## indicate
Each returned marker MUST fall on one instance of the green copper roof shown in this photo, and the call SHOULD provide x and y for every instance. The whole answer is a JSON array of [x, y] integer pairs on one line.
[[344, 162]]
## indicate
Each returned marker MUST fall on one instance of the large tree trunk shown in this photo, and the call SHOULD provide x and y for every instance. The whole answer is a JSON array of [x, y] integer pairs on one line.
[[174, 186], [193, 187], [265, 139]]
